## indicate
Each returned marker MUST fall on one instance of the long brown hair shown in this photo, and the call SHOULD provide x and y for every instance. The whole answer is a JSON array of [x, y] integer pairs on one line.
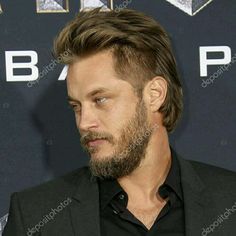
[[140, 47]]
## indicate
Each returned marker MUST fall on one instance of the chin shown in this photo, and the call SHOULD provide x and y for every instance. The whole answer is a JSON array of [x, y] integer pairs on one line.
[[101, 155]]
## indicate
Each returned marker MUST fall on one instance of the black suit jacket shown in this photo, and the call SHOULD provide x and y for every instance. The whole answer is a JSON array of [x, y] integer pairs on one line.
[[209, 204]]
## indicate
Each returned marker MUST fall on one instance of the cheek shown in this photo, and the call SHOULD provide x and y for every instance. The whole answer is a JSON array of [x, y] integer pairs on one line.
[[119, 119], [76, 120]]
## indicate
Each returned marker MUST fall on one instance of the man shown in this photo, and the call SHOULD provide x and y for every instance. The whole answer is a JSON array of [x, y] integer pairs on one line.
[[124, 88]]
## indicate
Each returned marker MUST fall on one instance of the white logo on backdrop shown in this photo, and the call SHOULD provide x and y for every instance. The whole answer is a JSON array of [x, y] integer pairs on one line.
[[3, 221], [205, 61], [191, 7], [50, 6], [90, 4]]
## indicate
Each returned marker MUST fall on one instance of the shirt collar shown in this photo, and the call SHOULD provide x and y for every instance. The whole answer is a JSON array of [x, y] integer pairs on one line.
[[173, 179], [108, 189]]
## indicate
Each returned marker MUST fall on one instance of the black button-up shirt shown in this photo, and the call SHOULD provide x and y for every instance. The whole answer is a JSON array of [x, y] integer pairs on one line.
[[117, 220]]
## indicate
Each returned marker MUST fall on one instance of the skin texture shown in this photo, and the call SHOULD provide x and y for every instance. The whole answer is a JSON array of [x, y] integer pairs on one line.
[[135, 148]]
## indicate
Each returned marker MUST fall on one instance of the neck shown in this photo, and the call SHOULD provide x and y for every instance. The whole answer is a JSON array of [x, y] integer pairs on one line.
[[142, 184]]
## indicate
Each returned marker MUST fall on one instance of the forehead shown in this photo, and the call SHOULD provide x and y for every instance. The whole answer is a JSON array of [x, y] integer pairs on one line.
[[91, 72]]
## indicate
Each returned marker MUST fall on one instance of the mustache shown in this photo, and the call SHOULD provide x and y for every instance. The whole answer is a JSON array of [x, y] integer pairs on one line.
[[91, 136]]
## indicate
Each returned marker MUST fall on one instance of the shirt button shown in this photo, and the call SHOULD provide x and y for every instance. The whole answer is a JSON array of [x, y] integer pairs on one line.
[[122, 196], [115, 212]]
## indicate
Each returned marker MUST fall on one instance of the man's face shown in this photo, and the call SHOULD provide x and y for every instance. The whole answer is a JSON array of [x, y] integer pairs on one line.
[[112, 120]]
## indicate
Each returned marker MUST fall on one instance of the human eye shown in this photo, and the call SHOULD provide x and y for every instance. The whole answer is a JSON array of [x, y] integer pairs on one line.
[[74, 106], [100, 100]]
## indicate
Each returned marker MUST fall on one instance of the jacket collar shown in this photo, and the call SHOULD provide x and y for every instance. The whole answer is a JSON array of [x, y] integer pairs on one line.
[[199, 206], [84, 208]]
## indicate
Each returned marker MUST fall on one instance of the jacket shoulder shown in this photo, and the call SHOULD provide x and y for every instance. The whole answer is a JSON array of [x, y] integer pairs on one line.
[[209, 169], [215, 177], [63, 185], [50, 194], [30, 206]]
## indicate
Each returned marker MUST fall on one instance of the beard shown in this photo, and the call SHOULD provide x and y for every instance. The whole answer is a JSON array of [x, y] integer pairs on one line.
[[129, 149]]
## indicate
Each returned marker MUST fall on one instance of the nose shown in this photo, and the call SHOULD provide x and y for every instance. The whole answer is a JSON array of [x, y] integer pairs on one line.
[[86, 120]]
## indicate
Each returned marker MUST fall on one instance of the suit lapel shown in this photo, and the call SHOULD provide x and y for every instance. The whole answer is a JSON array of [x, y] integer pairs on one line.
[[84, 208], [199, 207]]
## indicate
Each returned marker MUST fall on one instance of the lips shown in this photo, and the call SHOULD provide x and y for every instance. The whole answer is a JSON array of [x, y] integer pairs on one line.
[[95, 142]]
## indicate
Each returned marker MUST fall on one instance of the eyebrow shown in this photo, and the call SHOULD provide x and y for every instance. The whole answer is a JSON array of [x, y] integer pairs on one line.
[[90, 94]]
